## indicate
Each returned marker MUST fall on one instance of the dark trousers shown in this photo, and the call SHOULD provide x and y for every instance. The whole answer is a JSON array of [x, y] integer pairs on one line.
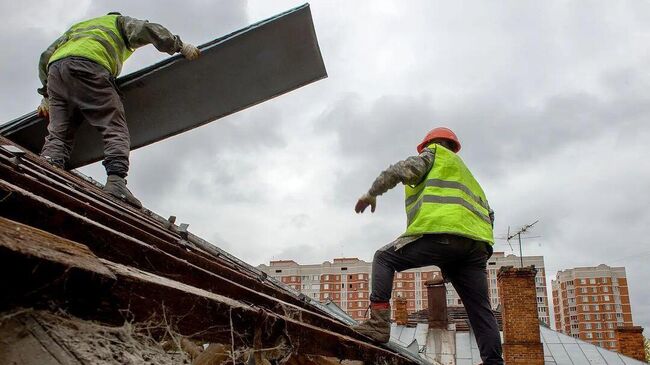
[[80, 90], [463, 262]]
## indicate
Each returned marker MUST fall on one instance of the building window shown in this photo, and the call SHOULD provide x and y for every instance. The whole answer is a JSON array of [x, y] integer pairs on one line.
[[585, 308], [589, 335], [583, 281], [399, 284], [606, 298], [327, 277], [315, 277], [344, 269], [326, 286], [592, 281], [277, 271], [587, 326], [360, 276]]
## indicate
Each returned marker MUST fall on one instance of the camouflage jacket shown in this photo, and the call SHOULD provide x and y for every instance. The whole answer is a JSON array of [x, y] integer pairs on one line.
[[408, 172], [136, 33]]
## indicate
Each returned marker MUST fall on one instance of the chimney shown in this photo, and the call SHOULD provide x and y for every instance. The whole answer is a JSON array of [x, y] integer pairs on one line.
[[401, 315], [437, 302], [630, 342], [521, 339]]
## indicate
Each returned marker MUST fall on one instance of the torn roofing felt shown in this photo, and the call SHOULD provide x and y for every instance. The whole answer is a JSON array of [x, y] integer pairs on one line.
[[244, 68]]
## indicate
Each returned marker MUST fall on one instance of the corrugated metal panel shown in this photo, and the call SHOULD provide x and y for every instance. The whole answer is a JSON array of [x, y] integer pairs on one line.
[[567, 350], [234, 72]]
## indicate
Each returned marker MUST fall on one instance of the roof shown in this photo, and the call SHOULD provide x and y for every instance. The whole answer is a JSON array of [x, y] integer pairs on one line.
[[241, 69], [455, 314], [559, 349], [68, 246]]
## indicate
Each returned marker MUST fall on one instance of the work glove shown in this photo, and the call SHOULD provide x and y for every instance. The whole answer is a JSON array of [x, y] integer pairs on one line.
[[44, 109], [365, 201], [190, 51]]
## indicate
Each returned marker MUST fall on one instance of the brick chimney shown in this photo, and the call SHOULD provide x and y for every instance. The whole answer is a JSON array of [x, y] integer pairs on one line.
[[521, 339], [437, 302], [630, 342], [401, 315]]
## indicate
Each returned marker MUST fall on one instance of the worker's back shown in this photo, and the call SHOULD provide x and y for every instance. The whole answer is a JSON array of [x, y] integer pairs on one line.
[[448, 200], [99, 40]]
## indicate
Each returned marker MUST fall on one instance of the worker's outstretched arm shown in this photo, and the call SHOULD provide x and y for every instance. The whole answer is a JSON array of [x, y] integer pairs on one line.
[[138, 33], [408, 172]]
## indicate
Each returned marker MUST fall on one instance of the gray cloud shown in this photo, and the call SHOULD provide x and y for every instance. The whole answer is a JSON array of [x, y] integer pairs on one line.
[[549, 100]]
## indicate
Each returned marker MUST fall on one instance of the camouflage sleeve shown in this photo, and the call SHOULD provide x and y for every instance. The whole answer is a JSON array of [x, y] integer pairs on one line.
[[492, 217], [408, 172], [43, 62], [138, 33]]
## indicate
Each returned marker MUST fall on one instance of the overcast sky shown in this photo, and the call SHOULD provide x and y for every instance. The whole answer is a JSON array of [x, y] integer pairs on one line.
[[549, 99]]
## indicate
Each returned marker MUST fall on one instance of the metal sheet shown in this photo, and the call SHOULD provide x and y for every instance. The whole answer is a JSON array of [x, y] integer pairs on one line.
[[234, 72]]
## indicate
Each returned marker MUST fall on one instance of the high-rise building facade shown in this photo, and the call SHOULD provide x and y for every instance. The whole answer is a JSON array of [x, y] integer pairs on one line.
[[590, 302], [347, 282]]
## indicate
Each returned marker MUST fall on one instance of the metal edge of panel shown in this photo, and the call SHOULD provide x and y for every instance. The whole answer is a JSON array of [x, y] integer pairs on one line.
[[219, 41], [32, 118], [126, 79]]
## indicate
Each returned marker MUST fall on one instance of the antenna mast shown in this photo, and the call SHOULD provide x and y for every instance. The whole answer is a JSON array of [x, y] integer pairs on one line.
[[523, 229]]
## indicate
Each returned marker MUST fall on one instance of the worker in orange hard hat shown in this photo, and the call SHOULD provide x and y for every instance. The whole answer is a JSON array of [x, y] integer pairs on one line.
[[449, 225]]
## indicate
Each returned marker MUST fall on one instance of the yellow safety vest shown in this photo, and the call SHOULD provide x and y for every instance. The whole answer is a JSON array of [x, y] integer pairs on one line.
[[98, 40], [448, 200]]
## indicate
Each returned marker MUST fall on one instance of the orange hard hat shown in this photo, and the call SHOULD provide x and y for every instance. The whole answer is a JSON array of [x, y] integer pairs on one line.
[[440, 132]]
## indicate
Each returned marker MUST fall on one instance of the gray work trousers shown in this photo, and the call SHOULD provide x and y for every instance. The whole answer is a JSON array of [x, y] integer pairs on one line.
[[463, 262], [81, 90]]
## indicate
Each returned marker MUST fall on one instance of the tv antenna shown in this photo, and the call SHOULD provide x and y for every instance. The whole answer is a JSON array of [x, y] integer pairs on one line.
[[523, 230]]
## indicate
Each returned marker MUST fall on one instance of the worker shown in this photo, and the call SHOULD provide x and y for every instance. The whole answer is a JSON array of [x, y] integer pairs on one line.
[[78, 74], [449, 224]]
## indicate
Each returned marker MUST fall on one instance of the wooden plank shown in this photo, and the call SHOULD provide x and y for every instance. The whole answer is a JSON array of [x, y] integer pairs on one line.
[[192, 312], [27, 241]]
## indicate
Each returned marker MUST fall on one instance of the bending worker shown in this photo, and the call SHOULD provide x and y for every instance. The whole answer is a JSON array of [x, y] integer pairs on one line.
[[449, 224], [78, 74]]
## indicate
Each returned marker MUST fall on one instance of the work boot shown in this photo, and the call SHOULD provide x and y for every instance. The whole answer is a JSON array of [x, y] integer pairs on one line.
[[116, 186], [377, 326]]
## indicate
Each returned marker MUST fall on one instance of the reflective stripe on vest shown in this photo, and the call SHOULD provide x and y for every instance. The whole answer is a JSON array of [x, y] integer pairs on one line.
[[97, 39], [449, 200]]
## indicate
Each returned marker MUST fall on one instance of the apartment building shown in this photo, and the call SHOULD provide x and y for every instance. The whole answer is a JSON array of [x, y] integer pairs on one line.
[[347, 281], [591, 302]]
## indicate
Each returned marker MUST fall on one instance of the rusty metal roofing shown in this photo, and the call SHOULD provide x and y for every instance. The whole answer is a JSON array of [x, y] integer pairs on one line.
[[236, 71]]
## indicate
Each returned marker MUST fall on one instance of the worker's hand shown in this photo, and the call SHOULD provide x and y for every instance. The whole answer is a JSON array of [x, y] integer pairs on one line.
[[365, 201], [190, 51], [44, 109]]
